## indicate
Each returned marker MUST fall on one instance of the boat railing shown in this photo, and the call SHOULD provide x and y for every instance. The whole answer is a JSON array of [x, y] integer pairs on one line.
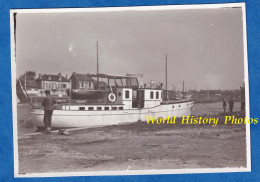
[[36, 102]]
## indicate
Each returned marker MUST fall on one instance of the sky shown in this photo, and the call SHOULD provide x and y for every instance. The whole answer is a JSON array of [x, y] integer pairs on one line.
[[204, 47]]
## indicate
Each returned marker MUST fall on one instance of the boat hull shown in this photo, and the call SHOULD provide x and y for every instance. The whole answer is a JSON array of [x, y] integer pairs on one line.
[[83, 119]]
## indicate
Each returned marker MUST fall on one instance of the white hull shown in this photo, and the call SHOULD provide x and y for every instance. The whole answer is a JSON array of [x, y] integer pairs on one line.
[[78, 118]]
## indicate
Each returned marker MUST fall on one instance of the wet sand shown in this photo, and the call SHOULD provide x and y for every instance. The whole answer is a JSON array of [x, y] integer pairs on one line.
[[137, 146]]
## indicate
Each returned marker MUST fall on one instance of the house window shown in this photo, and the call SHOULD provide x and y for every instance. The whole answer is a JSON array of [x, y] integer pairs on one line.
[[157, 95], [151, 95], [121, 108], [54, 86], [64, 85], [127, 94], [82, 84], [106, 108], [89, 85], [114, 108], [99, 108]]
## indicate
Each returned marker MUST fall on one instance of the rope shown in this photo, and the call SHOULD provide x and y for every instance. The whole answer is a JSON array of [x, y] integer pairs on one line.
[[210, 109], [25, 121]]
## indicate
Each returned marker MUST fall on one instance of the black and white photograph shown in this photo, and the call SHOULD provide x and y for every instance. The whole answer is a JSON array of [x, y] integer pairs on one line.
[[130, 90]]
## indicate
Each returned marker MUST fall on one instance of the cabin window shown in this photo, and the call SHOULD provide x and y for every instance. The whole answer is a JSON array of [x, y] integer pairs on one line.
[[119, 94], [114, 108], [151, 95], [99, 108], [127, 94], [106, 108], [157, 95], [121, 108], [90, 108], [82, 108]]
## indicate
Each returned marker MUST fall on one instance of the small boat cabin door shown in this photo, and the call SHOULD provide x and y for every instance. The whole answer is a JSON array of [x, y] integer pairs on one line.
[[138, 99]]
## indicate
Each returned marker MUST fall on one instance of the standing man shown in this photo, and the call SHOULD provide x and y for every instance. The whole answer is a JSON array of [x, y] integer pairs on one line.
[[224, 105], [48, 104], [231, 104]]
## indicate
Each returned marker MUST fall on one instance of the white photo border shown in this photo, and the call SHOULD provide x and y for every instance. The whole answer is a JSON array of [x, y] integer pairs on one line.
[[129, 172]]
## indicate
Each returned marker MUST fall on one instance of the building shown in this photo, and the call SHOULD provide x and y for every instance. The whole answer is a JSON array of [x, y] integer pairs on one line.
[[57, 84], [82, 82]]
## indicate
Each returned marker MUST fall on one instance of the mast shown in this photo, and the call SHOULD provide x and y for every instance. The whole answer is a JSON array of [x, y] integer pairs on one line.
[[97, 68], [166, 77], [183, 87]]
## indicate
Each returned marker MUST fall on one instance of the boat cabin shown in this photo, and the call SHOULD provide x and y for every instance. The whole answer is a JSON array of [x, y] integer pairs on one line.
[[124, 93]]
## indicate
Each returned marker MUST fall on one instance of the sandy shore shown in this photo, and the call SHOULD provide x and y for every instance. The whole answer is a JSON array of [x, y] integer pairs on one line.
[[136, 146]]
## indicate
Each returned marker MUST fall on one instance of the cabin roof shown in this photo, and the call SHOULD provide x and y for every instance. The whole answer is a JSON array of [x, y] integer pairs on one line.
[[110, 76]]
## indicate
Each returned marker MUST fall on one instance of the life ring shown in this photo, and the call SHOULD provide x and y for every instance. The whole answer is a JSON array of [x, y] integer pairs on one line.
[[112, 97]]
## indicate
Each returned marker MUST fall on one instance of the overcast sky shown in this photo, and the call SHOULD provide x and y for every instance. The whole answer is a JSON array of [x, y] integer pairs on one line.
[[204, 46]]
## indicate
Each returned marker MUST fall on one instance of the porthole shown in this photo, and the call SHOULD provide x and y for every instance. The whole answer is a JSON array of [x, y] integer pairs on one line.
[[82, 108], [90, 108]]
